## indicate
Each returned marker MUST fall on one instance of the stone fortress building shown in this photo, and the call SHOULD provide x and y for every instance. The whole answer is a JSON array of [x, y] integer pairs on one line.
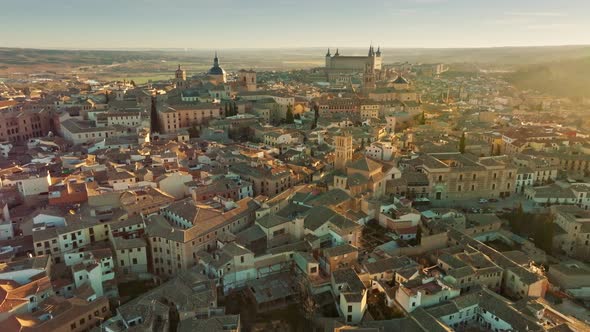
[[344, 68], [353, 63]]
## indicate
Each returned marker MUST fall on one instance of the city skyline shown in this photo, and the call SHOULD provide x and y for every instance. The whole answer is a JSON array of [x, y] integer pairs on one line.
[[293, 24]]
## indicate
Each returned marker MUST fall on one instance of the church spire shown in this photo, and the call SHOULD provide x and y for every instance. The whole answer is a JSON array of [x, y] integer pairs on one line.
[[328, 54], [337, 53], [216, 60]]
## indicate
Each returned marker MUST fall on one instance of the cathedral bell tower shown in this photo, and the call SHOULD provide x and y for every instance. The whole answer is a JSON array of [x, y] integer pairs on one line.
[[369, 83], [180, 78], [343, 151]]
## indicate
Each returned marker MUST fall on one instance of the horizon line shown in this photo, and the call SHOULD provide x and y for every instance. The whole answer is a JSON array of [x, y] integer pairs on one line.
[[280, 48]]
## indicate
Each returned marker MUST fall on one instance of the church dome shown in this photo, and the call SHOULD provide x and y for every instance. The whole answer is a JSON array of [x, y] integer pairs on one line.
[[216, 69]]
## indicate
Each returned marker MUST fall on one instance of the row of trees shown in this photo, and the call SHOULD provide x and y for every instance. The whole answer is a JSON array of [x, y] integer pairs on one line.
[[291, 117], [539, 227], [231, 109]]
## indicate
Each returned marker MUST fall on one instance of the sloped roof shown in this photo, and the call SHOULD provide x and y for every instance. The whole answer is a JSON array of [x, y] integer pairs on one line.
[[401, 80], [365, 164]]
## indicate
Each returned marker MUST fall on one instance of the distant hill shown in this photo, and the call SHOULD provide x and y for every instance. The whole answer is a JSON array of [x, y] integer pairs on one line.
[[561, 70], [568, 78], [503, 56], [27, 56], [496, 55]]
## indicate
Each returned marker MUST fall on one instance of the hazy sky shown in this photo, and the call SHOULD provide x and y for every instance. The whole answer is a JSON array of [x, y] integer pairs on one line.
[[218, 24]]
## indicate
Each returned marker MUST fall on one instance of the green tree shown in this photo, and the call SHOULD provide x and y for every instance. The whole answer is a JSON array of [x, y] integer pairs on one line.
[[307, 303], [106, 94], [316, 113], [193, 131], [227, 113], [234, 110], [289, 118], [419, 235], [462, 143], [517, 220], [423, 118], [132, 83], [544, 232]]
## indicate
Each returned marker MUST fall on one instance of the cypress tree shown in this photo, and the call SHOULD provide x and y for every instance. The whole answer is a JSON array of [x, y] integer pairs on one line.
[[419, 235], [316, 111], [462, 143], [289, 119], [154, 123]]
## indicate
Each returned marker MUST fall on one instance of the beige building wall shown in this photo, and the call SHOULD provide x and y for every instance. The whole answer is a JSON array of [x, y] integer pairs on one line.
[[173, 120], [463, 184]]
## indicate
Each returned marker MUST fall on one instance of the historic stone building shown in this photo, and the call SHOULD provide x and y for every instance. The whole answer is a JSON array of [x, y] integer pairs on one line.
[[344, 63], [464, 176]]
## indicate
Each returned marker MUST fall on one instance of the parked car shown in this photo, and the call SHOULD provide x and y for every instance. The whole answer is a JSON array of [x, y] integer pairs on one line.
[[483, 201], [493, 200]]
